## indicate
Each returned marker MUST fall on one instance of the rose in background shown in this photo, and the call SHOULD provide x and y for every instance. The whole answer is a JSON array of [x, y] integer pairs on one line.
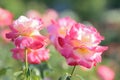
[[6, 19], [3, 35], [105, 73], [78, 43], [47, 16]]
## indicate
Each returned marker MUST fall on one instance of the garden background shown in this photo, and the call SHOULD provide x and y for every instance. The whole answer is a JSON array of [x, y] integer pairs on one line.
[[103, 14]]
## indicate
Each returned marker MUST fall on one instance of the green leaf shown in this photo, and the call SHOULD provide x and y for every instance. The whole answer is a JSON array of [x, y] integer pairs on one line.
[[18, 73], [65, 77], [3, 71], [36, 77], [42, 68], [28, 72]]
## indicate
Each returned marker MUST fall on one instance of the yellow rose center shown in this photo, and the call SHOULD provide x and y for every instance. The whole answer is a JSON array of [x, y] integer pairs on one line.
[[62, 31], [82, 51]]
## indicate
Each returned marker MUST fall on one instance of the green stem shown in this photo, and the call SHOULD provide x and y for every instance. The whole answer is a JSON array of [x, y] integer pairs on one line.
[[26, 66], [72, 71], [26, 60]]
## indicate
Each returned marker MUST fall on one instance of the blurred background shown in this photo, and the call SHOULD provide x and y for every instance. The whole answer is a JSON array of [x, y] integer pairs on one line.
[[103, 14]]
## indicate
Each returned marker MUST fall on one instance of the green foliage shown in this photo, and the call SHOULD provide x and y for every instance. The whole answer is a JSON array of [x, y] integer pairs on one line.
[[90, 10], [42, 68], [65, 77], [3, 71]]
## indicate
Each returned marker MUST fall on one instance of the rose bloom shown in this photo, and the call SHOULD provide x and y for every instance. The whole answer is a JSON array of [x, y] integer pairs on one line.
[[25, 35], [24, 27], [34, 56], [105, 73], [6, 17], [78, 43]]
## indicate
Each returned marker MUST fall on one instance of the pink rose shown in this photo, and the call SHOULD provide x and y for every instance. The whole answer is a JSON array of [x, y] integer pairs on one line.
[[26, 37], [24, 26], [78, 43]]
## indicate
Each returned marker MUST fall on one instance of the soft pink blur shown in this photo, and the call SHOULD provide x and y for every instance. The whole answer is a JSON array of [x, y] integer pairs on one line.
[[33, 14], [6, 17], [78, 43], [105, 73], [47, 16], [25, 35]]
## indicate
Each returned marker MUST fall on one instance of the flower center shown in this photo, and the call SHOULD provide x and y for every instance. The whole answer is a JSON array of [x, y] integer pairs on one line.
[[62, 31], [82, 51], [85, 38]]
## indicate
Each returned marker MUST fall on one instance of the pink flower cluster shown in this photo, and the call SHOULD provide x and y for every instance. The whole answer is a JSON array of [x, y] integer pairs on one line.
[[25, 35], [78, 43]]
